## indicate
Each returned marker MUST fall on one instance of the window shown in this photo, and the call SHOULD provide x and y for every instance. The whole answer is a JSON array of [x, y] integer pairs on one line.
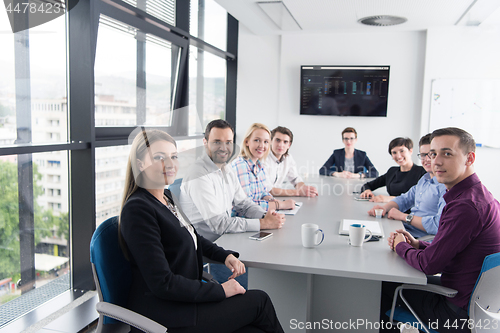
[[32, 110], [209, 22], [64, 129], [133, 76], [110, 167], [33, 241], [207, 89]]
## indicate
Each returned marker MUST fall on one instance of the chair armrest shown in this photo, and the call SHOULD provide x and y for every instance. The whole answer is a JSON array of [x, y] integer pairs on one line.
[[129, 317], [433, 288]]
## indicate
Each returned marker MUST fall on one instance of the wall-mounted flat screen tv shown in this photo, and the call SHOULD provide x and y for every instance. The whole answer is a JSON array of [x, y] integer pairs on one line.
[[344, 90]]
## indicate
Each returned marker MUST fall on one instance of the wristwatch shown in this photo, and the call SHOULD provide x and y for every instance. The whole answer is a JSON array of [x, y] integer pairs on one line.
[[408, 219]]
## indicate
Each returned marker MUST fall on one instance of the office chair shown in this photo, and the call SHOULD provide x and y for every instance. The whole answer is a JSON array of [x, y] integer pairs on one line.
[[113, 278], [175, 187], [484, 304]]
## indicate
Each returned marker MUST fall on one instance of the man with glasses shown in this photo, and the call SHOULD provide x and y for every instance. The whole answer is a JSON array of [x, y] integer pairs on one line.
[[425, 199]]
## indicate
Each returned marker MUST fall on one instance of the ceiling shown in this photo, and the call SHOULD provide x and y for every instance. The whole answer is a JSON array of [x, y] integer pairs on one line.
[[315, 16]]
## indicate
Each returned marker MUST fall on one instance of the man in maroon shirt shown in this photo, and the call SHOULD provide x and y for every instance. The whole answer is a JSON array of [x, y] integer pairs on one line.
[[469, 230]]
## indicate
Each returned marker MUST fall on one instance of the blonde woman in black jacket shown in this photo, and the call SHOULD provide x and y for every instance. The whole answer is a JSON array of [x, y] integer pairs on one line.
[[166, 254]]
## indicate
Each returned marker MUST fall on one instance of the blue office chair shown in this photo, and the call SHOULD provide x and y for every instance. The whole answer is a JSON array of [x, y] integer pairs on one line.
[[113, 278], [175, 187], [484, 304]]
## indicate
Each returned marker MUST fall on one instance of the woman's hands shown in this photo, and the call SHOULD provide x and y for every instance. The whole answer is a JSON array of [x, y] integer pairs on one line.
[[232, 287], [235, 266], [367, 194]]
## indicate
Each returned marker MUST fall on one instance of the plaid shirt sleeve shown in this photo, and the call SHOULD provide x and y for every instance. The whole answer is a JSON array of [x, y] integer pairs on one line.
[[253, 185]]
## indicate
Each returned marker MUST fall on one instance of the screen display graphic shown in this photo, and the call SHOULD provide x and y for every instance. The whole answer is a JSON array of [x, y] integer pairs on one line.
[[344, 90]]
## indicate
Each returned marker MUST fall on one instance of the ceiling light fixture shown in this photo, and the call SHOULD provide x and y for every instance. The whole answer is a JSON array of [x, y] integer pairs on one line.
[[280, 15], [382, 20]]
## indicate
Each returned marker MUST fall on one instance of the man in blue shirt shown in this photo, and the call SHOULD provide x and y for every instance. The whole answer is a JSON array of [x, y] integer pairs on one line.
[[425, 200]]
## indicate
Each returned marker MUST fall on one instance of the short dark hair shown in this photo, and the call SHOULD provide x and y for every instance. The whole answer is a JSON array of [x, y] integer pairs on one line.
[[425, 140], [349, 130], [466, 142], [400, 142], [217, 123]]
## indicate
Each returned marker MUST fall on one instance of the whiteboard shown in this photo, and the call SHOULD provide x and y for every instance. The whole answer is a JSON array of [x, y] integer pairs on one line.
[[472, 105]]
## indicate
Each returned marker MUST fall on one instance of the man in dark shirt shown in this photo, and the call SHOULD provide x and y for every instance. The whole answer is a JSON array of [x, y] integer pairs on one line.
[[469, 230]]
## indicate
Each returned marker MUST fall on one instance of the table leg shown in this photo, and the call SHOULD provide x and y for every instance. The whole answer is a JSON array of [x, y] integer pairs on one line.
[[318, 303]]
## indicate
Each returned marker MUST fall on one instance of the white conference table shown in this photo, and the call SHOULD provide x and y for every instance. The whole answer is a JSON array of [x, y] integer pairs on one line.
[[334, 284]]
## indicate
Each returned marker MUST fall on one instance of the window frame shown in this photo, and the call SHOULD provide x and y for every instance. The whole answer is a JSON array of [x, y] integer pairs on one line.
[[84, 137]]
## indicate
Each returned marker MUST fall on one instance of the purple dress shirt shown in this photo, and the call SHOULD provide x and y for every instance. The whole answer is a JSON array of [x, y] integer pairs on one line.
[[469, 230]]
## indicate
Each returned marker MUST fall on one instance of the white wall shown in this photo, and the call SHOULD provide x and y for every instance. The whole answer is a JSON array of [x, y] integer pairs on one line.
[[268, 89], [268, 86], [258, 80], [462, 53]]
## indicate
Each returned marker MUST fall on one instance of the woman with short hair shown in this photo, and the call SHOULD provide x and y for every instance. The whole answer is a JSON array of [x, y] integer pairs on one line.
[[398, 179]]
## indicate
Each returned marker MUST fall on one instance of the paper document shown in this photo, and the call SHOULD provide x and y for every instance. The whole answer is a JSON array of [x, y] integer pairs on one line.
[[291, 211], [374, 226]]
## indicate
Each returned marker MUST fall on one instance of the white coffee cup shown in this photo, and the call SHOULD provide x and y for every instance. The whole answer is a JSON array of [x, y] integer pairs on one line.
[[310, 235], [357, 234]]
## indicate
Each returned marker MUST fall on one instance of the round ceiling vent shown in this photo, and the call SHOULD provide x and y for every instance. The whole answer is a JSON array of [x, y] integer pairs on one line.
[[382, 20]]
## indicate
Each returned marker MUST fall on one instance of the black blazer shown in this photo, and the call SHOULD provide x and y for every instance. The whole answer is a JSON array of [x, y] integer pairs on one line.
[[361, 164], [166, 268]]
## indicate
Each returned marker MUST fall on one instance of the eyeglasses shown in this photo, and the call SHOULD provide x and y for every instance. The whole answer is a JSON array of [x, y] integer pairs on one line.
[[423, 156], [348, 139]]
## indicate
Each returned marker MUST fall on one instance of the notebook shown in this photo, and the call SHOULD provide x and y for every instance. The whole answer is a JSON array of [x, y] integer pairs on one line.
[[374, 226], [291, 211]]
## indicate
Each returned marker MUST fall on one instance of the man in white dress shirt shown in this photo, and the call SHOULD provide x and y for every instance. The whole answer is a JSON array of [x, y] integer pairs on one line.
[[280, 167], [211, 189]]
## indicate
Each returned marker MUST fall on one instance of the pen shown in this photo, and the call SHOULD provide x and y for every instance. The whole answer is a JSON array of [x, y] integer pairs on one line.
[[297, 205]]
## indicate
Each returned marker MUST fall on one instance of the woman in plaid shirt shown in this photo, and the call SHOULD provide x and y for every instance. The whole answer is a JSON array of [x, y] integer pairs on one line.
[[250, 170]]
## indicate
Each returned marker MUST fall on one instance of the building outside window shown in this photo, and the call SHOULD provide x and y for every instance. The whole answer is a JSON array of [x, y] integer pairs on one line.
[[46, 152]]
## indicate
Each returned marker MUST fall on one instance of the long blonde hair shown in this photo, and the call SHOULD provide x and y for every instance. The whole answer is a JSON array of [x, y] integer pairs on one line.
[[245, 152], [140, 146]]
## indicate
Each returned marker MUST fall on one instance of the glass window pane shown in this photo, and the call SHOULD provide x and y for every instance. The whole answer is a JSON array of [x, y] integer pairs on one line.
[[44, 117], [158, 80], [207, 84], [110, 167], [208, 21], [162, 9], [133, 76], [34, 242]]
